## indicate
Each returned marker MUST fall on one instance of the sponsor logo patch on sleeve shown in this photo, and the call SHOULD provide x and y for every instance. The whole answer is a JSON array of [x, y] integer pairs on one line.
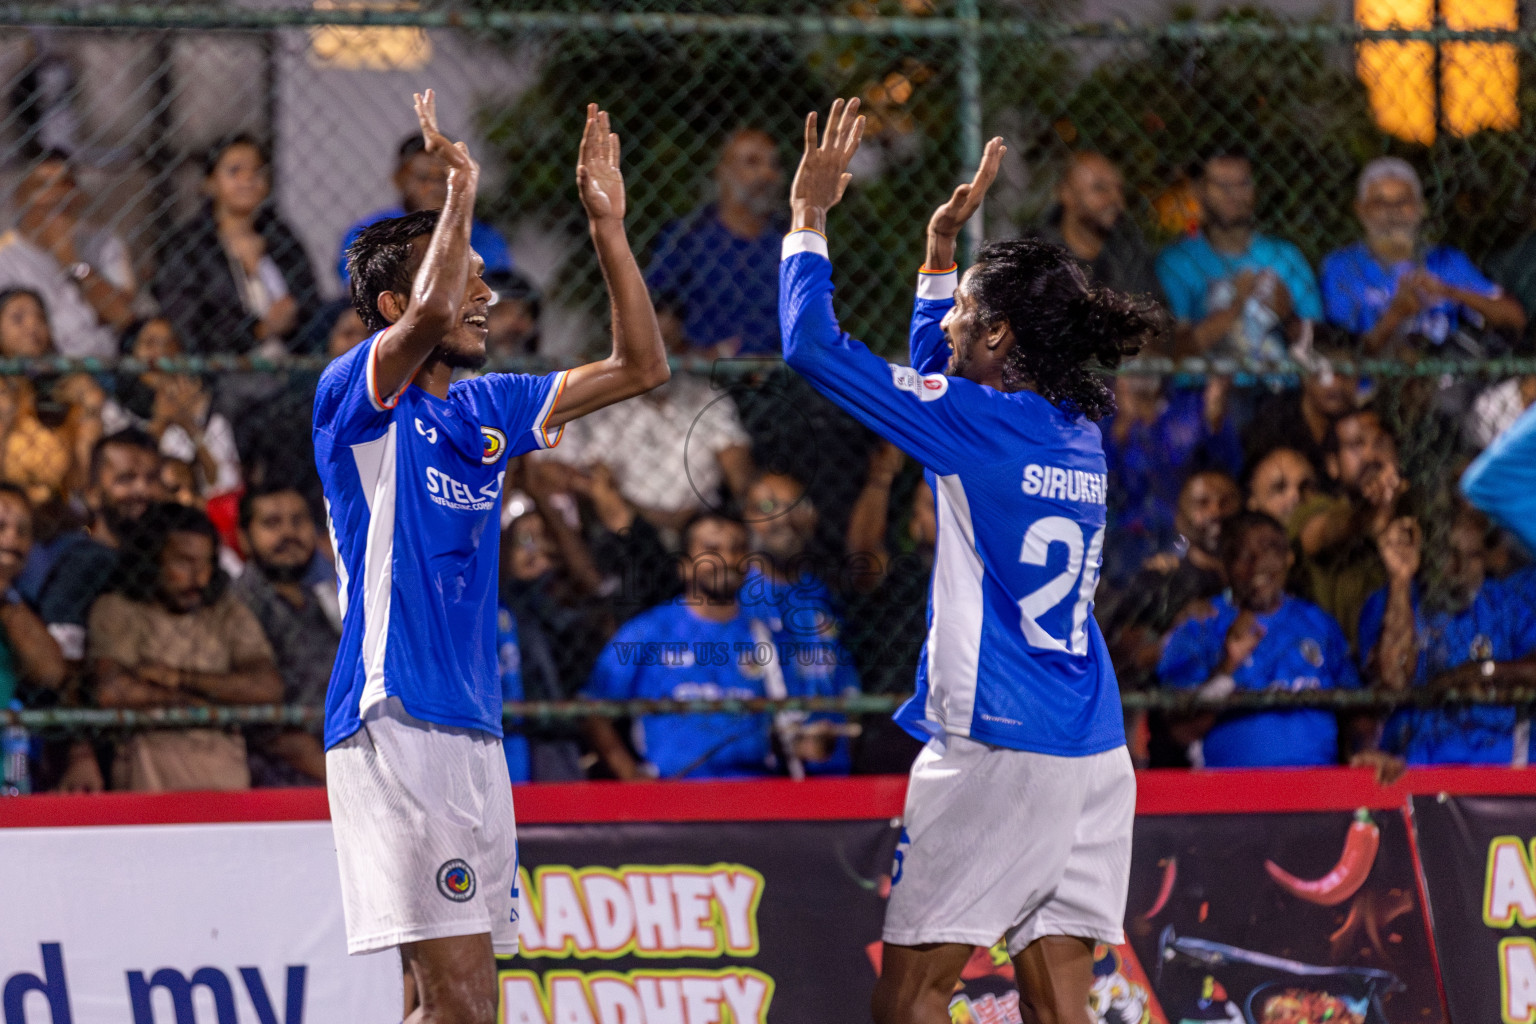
[[926, 387]]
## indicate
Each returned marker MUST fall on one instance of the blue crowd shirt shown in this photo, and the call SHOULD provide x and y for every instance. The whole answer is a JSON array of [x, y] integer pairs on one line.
[[1302, 649], [509, 660], [1357, 289], [729, 286], [483, 238], [804, 613], [1500, 625], [1198, 282], [1149, 467], [671, 652], [1502, 481], [1014, 657], [413, 499]]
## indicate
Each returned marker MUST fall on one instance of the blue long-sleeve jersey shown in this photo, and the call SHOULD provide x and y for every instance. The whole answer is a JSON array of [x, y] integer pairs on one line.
[[1013, 656], [1502, 480]]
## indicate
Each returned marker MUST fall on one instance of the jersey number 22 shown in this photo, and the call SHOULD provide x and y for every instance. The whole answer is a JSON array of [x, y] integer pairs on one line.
[[1081, 572]]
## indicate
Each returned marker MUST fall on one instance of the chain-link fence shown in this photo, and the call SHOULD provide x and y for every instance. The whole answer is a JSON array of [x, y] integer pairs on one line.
[[181, 182]]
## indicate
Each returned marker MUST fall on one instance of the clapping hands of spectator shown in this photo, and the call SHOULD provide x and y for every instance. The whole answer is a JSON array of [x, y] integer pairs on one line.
[[1381, 484], [179, 401], [281, 319], [1400, 545], [597, 486]]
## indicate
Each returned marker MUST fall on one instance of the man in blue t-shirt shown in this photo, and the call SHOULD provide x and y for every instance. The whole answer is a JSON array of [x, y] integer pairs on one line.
[[1476, 632], [422, 181], [1233, 290], [1391, 285], [704, 645], [413, 465], [781, 589], [721, 262], [1260, 638]]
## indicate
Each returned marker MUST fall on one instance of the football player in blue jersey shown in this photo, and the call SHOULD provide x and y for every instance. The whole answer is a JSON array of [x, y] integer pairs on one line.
[[1019, 809], [413, 468]]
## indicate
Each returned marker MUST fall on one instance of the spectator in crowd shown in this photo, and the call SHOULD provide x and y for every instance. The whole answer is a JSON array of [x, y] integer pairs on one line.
[[1465, 631], [551, 587], [177, 410], [887, 594], [83, 275], [1233, 290], [1138, 616], [345, 334], [637, 570], [1259, 638], [48, 422], [1152, 442], [513, 319], [293, 596], [1339, 533], [421, 180], [670, 451], [781, 589], [29, 657], [1299, 418], [1496, 409], [67, 576], [1390, 285], [721, 262], [1279, 482], [236, 278], [170, 634], [1089, 220], [701, 645]]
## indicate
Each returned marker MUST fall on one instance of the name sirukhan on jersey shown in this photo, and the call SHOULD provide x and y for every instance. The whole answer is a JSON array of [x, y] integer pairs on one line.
[[1067, 484]]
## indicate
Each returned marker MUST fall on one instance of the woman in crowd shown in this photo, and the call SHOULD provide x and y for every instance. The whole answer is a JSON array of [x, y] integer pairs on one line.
[[49, 422], [235, 278], [177, 410]]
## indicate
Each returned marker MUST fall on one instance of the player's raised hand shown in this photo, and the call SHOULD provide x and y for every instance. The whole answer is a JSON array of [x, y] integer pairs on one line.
[[823, 175], [598, 177], [948, 219], [454, 154]]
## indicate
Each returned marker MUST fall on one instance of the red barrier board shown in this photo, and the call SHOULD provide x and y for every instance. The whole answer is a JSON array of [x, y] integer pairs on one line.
[[866, 798]]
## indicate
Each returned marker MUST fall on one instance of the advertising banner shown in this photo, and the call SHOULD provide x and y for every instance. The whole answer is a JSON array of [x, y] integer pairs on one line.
[[181, 924], [1478, 855]]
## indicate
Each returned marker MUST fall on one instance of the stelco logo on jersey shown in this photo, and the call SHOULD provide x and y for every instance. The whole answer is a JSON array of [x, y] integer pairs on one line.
[[459, 496]]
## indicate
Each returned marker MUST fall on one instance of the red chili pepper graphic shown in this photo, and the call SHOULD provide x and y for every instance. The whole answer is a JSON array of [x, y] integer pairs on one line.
[[1170, 875], [1347, 876]]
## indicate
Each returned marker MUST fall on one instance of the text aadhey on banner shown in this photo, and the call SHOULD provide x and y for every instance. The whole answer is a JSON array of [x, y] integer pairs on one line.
[[1479, 859]]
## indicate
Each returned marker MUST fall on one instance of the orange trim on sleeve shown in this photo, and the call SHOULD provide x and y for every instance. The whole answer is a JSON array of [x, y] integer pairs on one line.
[[940, 273], [811, 230], [560, 430], [373, 375]]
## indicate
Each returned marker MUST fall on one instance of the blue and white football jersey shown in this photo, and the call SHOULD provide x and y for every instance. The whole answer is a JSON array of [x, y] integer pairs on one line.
[[1013, 657], [413, 502]]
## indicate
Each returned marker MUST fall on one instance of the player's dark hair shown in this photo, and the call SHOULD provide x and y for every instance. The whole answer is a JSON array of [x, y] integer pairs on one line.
[[381, 261], [128, 437], [214, 153], [1235, 528], [137, 575], [1065, 329]]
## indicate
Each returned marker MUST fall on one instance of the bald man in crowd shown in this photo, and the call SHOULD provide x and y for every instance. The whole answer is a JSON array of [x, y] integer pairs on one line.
[[1089, 219], [720, 264]]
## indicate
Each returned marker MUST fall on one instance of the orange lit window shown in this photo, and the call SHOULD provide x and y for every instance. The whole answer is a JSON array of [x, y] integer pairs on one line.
[[1476, 81]]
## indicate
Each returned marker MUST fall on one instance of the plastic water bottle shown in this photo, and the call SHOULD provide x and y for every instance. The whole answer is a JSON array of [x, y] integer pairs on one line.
[[15, 744]]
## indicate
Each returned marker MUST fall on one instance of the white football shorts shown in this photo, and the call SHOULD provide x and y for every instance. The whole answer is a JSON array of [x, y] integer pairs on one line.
[[425, 836], [1012, 844]]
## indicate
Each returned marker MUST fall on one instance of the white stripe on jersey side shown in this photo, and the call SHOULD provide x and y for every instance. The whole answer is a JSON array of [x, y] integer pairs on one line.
[[343, 578], [954, 637], [376, 471]]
